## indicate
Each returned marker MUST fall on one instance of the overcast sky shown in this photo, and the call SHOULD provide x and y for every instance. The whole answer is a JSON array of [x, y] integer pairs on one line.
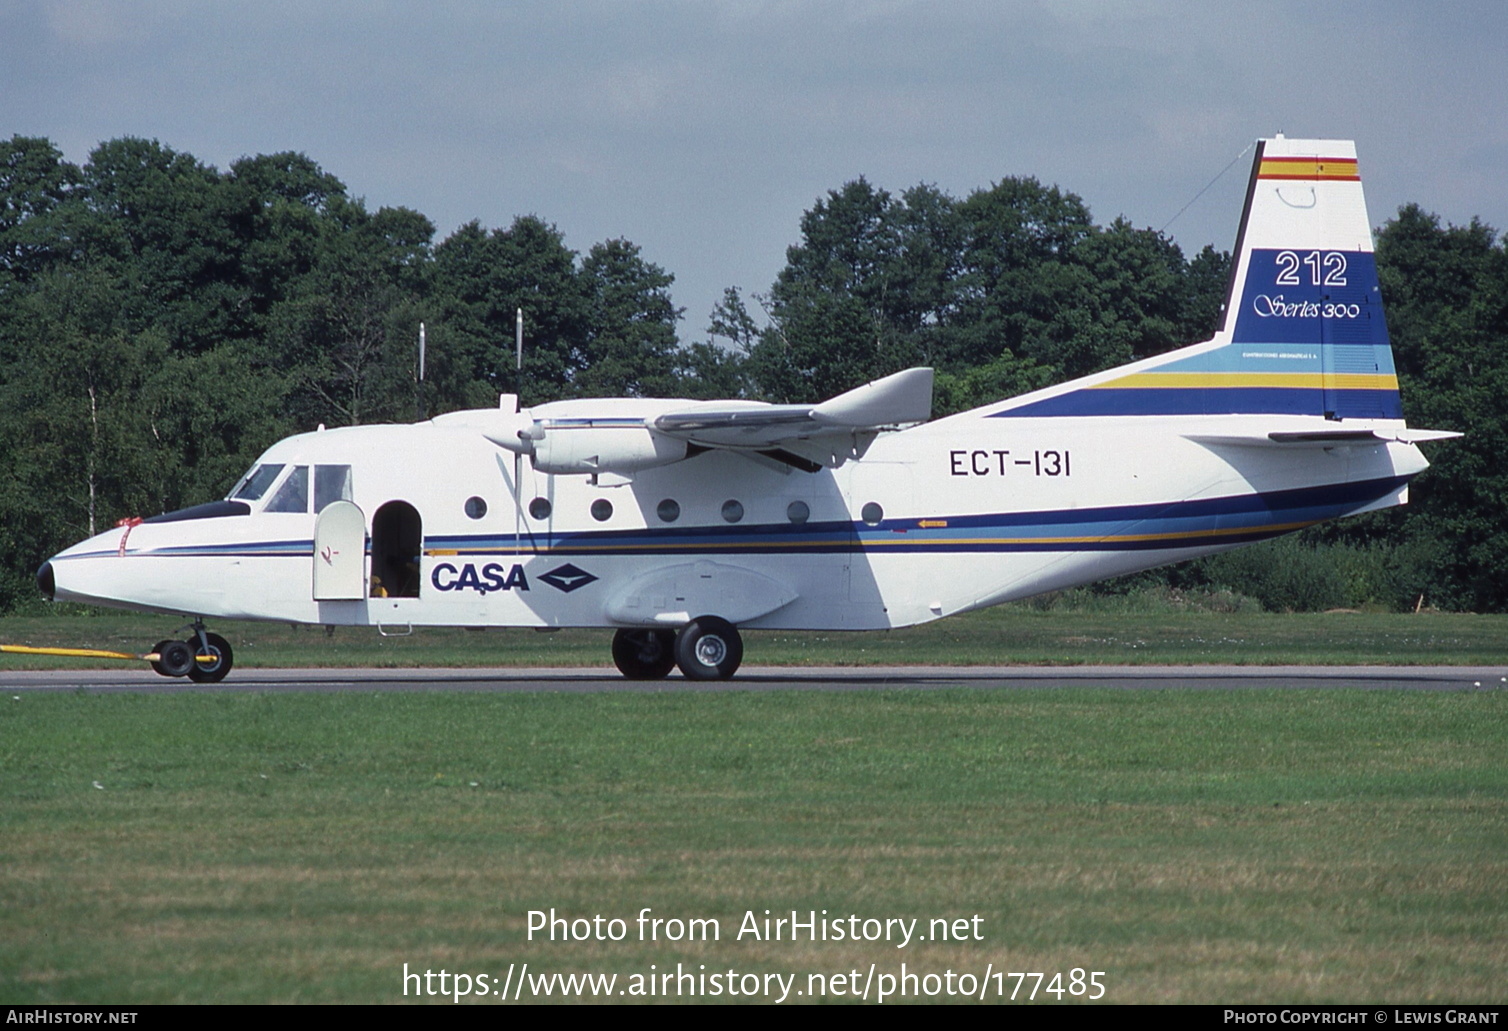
[[702, 130]]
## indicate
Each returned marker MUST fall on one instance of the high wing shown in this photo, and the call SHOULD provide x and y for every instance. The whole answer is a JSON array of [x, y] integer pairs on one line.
[[625, 435], [825, 434]]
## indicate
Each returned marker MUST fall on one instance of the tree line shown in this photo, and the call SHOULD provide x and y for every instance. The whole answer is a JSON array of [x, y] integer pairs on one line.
[[163, 321]]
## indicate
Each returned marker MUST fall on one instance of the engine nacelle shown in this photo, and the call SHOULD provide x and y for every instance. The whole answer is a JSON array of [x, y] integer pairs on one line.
[[564, 450]]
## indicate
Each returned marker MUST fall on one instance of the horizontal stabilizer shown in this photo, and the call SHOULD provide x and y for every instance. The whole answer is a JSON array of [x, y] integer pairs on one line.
[[1422, 436], [1321, 438]]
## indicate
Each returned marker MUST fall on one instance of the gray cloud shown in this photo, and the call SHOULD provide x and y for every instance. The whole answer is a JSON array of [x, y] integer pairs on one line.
[[702, 130]]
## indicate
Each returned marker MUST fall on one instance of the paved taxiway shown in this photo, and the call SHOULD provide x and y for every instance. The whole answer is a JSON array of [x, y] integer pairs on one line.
[[770, 678]]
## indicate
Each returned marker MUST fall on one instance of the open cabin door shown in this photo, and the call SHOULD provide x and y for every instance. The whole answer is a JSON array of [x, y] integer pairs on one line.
[[340, 545]]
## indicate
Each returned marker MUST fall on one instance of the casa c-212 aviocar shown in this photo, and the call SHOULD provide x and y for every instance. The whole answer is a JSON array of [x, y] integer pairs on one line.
[[682, 523]]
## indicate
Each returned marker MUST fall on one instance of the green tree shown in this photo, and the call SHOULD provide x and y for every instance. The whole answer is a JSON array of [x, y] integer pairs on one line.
[[283, 208], [166, 226], [718, 367], [37, 191], [1018, 284], [629, 349], [1013, 279], [600, 326], [1446, 292], [1208, 281], [484, 278], [349, 339], [837, 308]]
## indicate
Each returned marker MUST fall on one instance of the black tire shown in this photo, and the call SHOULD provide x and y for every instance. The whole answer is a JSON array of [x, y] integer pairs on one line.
[[709, 648], [642, 654], [175, 658], [211, 672], [157, 663]]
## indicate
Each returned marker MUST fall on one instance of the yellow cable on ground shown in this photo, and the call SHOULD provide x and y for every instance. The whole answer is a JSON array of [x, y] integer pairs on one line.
[[77, 653]]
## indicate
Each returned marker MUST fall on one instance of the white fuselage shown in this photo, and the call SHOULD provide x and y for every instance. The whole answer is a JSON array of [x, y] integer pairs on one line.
[[971, 511]]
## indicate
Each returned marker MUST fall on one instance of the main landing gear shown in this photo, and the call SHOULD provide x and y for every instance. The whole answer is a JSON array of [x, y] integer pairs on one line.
[[707, 648], [204, 657]]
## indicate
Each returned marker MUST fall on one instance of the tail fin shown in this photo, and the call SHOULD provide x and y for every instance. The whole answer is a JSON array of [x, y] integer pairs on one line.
[[1303, 331]]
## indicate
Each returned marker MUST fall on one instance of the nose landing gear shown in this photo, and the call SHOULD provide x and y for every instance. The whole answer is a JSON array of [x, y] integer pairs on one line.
[[204, 658], [707, 648], [213, 660], [174, 658]]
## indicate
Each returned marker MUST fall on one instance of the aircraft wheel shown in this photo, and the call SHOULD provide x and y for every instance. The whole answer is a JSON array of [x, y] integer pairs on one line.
[[175, 658], [709, 648], [644, 654], [157, 664], [210, 672]]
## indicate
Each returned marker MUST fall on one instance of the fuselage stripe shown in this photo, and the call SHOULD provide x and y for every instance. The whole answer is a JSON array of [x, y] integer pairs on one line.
[[1227, 380], [1138, 399], [1188, 523]]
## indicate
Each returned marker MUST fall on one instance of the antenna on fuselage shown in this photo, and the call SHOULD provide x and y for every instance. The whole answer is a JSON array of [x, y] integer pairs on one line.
[[419, 378], [518, 387], [518, 360]]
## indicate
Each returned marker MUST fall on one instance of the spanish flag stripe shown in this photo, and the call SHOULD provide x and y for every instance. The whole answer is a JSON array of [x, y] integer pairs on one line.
[[1344, 169]]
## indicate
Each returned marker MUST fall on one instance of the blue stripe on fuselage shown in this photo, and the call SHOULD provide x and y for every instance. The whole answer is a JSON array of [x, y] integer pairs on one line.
[[1174, 524], [1231, 519], [1211, 400]]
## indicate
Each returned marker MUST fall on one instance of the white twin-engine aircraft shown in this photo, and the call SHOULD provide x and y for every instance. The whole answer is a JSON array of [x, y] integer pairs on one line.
[[682, 522]]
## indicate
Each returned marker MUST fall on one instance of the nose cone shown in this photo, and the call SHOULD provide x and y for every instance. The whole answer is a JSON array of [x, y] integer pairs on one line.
[[46, 582]]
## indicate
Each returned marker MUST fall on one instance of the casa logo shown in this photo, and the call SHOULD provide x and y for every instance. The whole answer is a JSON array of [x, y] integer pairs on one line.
[[568, 578], [490, 577]]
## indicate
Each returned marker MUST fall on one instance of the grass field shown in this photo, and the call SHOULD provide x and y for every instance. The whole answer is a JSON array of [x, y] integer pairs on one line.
[[1114, 631], [1197, 847]]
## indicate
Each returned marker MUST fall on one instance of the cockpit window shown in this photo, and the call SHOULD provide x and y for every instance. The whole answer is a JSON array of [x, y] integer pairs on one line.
[[293, 495], [331, 483], [255, 483]]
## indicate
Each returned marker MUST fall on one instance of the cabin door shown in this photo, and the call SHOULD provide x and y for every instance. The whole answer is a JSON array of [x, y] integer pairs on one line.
[[397, 551], [340, 546]]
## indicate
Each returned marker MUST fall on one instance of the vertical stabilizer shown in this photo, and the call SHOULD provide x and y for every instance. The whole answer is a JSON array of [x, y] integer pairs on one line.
[[1303, 330], [1305, 279]]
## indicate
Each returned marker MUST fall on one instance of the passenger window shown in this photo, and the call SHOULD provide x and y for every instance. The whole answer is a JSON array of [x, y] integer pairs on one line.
[[331, 483], [255, 483], [293, 495]]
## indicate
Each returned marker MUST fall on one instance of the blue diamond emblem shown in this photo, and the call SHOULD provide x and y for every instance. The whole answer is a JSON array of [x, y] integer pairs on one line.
[[568, 578]]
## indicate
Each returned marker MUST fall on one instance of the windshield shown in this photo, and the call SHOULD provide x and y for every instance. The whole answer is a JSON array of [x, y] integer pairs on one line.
[[255, 483]]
